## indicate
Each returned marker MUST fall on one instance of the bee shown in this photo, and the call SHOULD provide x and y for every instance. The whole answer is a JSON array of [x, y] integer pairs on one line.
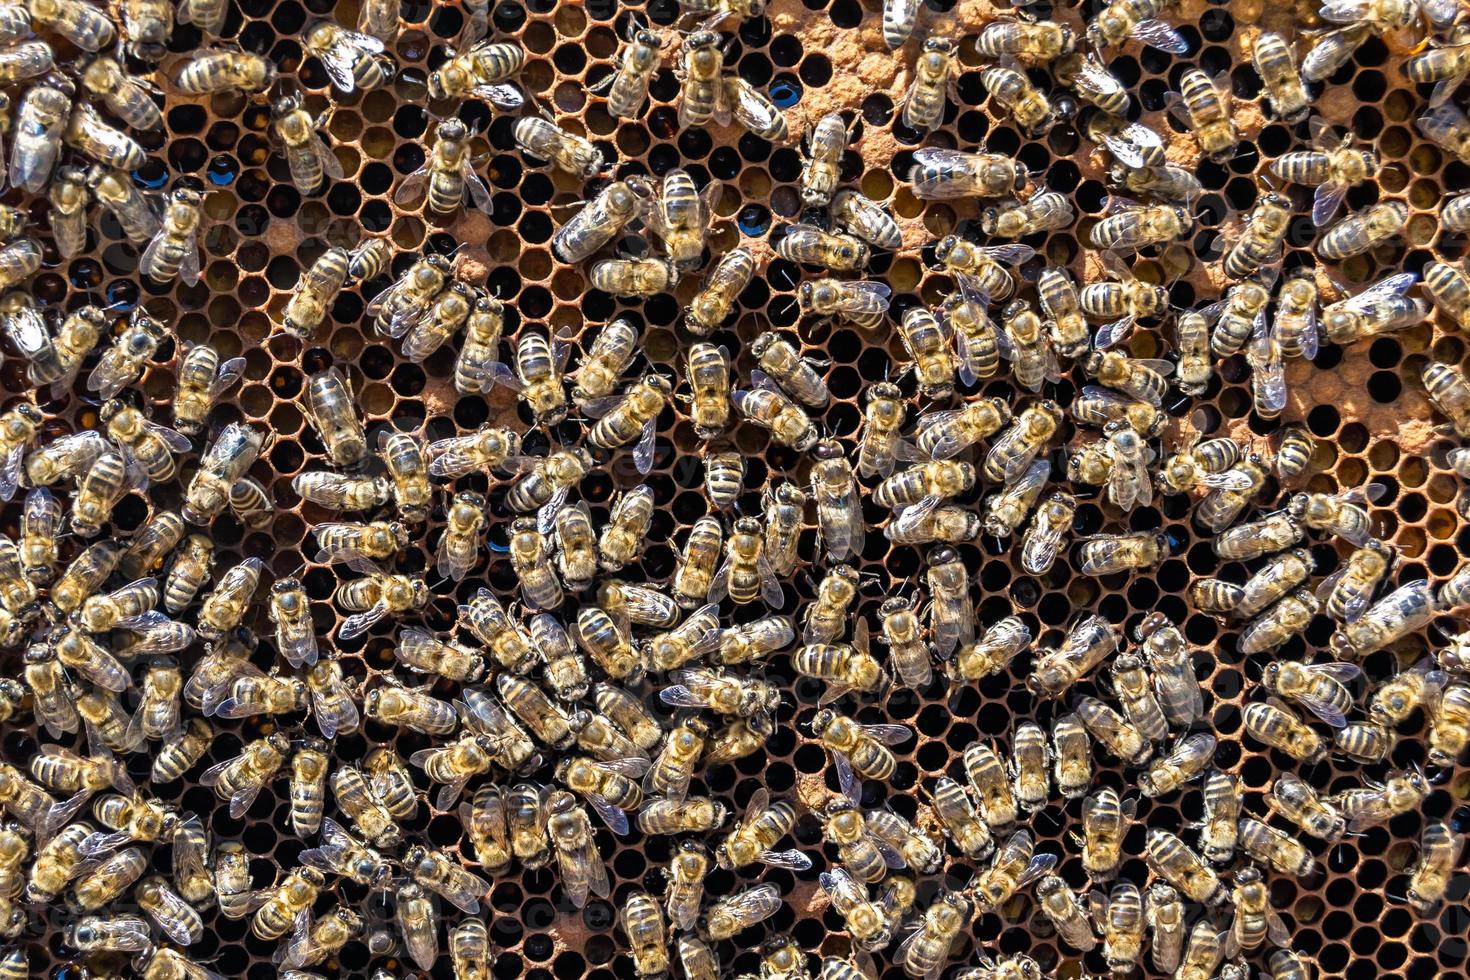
[[337, 491], [1380, 308], [1012, 454], [928, 949], [86, 27], [1088, 642], [1259, 245], [538, 377], [1122, 300], [404, 303], [627, 88], [1005, 510], [1203, 952], [477, 72], [826, 616], [174, 917], [866, 219], [1363, 230], [355, 798], [1033, 41], [794, 374], [1366, 742], [1014, 866], [1136, 19], [43, 116], [1014, 92], [114, 934], [174, 250], [1448, 709], [1086, 75], [752, 840], [405, 708], [1223, 504], [210, 71], [983, 270], [1429, 878], [1341, 515], [1298, 802], [1121, 918], [1047, 211], [239, 779], [473, 368], [1449, 290], [1104, 824], [935, 74], [404, 456], [609, 787], [447, 173], [994, 651], [18, 261], [1279, 623], [440, 873], [1065, 911], [1375, 804], [1275, 61], [108, 480], [379, 594], [1121, 737], [601, 220], [530, 556], [770, 409], [1203, 104], [1274, 848], [686, 875], [448, 312], [952, 611], [940, 174], [418, 924], [352, 61], [332, 410], [148, 444], [681, 216], [463, 533], [1188, 759], [622, 537], [839, 512], [542, 138], [1109, 554], [870, 924], [857, 848], [582, 869], [644, 924], [1277, 726], [1172, 860], [1317, 687], [69, 195], [207, 15], [484, 821], [784, 511], [807, 244], [203, 378], [858, 750], [702, 97], [635, 277]]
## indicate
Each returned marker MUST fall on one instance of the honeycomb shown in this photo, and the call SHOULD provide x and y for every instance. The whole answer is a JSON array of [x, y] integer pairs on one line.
[[1364, 404]]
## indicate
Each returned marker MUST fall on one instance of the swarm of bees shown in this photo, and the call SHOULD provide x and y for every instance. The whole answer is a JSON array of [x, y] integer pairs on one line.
[[550, 684]]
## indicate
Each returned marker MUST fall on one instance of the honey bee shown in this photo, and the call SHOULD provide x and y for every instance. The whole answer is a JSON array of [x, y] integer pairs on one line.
[[54, 361], [108, 480], [485, 823], [940, 174], [702, 97], [643, 923], [332, 409], [1012, 454], [858, 750], [1429, 879], [1366, 742], [926, 951], [708, 370], [826, 616], [403, 303], [1203, 952], [1275, 61], [857, 848], [1136, 19], [807, 244], [1121, 737], [418, 924], [1379, 308], [1014, 866], [542, 138], [1298, 802], [447, 173], [635, 277], [627, 88], [1070, 755], [608, 786], [1203, 104], [203, 378], [440, 873], [935, 74], [43, 116], [1188, 759], [210, 71], [622, 537], [1109, 554], [1104, 823], [1448, 709], [870, 924], [538, 377], [445, 315], [123, 363], [1014, 92], [480, 71], [424, 653], [124, 95], [463, 532], [174, 250], [406, 460], [1375, 804], [1172, 860], [1121, 300], [530, 556], [601, 220], [784, 511], [490, 448], [952, 611], [762, 826], [1449, 290], [840, 524], [240, 779], [770, 409], [1275, 849], [1274, 724], [1047, 211], [993, 652], [1363, 230], [1131, 226], [1121, 918], [1065, 911], [866, 219], [207, 15], [149, 444], [1259, 245], [352, 61], [379, 594], [115, 934]]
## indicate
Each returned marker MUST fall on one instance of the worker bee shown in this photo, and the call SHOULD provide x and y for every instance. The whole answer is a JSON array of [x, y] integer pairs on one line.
[[681, 216], [609, 787], [627, 88], [935, 74], [1203, 104], [1121, 919], [418, 924], [1289, 616], [1275, 61], [86, 27], [1109, 554], [174, 251], [1014, 92], [379, 594], [820, 172], [601, 220], [940, 174], [1259, 245], [1131, 226], [858, 750], [1065, 910], [1118, 735], [1136, 19], [542, 138], [1012, 454], [149, 445], [1429, 879], [1298, 802], [464, 531], [1274, 724], [1448, 709], [1449, 289], [702, 97], [239, 779], [203, 378], [809, 245], [644, 925], [1183, 764], [1368, 806], [1047, 211], [213, 70], [1172, 860], [993, 652], [123, 363], [108, 480], [1014, 866], [125, 96], [1363, 230], [1121, 300], [43, 117], [840, 524], [479, 71], [983, 265], [926, 951], [870, 924], [772, 410], [447, 173], [1450, 393], [1332, 166], [353, 61], [1379, 308], [795, 375], [752, 840], [114, 934], [538, 376], [1088, 642], [1275, 849]]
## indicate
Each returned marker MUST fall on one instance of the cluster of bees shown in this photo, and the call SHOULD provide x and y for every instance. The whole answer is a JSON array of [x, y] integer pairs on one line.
[[583, 692]]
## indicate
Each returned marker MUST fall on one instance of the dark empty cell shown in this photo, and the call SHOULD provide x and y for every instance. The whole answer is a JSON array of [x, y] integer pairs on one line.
[[844, 13], [1274, 140], [816, 70], [1245, 159], [1004, 140], [663, 158], [570, 59], [344, 198], [375, 216], [1370, 85], [1385, 386], [755, 68], [695, 143], [754, 220], [508, 17], [1385, 352], [1156, 62], [534, 302], [376, 178], [1301, 232], [1152, 94], [785, 164], [537, 188], [408, 158], [504, 209], [1090, 196], [410, 122], [185, 119], [786, 51]]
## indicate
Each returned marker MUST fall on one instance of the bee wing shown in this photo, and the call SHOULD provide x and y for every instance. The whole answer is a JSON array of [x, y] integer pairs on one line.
[[338, 59], [1395, 285], [479, 193], [412, 186], [502, 95], [847, 780], [647, 442], [1009, 254], [298, 948], [771, 591], [241, 800], [755, 904], [1342, 673], [1041, 864], [332, 718], [229, 372], [462, 888], [889, 734], [792, 860], [1325, 710], [1040, 545], [1160, 35], [1325, 201], [359, 623], [189, 261], [616, 820]]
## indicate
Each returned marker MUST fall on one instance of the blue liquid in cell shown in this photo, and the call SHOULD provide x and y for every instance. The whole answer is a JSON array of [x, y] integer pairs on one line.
[[122, 296], [151, 176], [754, 220], [223, 171], [785, 94]]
